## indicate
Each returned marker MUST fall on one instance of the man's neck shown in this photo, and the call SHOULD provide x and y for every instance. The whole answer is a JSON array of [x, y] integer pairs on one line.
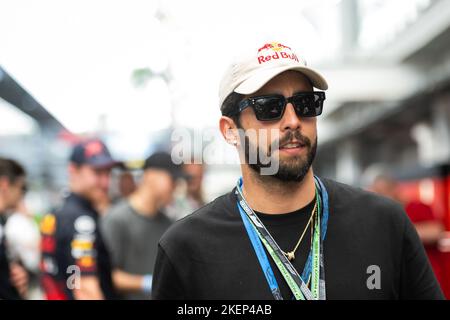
[[143, 202], [269, 195], [83, 197]]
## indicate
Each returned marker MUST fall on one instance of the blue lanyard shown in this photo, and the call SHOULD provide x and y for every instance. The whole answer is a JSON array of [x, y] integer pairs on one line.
[[261, 254]]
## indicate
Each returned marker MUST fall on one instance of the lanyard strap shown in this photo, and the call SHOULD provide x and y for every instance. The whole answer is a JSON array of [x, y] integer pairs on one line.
[[262, 257], [308, 266], [258, 233], [265, 265]]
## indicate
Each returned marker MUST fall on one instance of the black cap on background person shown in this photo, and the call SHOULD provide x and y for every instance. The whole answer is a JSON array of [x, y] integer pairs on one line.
[[163, 161]]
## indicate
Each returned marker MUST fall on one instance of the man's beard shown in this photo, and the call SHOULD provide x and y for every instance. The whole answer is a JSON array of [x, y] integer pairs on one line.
[[289, 170]]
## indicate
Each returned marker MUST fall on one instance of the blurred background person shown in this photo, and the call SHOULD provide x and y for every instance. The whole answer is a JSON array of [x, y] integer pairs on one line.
[[189, 196], [444, 243], [133, 227], [23, 238], [75, 261], [386, 186], [127, 185], [122, 184], [430, 229], [13, 276]]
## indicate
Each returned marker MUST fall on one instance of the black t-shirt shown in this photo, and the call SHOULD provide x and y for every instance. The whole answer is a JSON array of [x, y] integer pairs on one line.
[[7, 290], [208, 254], [72, 245]]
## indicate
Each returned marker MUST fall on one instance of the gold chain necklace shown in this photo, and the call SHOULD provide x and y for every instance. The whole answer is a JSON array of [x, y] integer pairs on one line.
[[291, 254]]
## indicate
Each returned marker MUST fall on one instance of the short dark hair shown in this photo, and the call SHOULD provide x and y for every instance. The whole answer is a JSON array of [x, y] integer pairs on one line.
[[230, 107], [11, 169]]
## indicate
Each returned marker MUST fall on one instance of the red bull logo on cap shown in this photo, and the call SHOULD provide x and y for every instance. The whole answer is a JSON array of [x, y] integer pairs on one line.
[[93, 148], [274, 51]]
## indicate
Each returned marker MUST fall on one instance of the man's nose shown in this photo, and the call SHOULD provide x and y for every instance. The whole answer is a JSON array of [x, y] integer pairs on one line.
[[290, 120]]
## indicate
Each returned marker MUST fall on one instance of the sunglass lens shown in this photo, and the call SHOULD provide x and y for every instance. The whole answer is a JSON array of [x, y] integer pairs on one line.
[[268, 108], [308, 105]]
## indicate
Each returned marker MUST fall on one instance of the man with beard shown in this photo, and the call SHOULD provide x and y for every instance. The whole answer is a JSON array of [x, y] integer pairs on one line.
[[284, 233]]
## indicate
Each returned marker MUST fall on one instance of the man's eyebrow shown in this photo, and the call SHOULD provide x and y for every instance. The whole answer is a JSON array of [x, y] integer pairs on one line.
[[270, 93], [304, 91]]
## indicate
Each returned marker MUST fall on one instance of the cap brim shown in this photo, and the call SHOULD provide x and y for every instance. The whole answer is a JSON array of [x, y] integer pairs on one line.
[[179, 175], [174, 173], [105, 162], [260, 78]]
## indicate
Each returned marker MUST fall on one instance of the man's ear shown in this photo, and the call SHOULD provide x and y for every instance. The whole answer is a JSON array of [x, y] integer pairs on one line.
[[229, 130]]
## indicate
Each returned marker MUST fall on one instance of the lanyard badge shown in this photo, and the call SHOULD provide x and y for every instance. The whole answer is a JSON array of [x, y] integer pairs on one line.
[[314, 266]]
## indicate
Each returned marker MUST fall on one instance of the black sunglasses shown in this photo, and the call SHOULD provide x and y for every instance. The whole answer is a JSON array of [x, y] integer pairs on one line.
[[272, 107]]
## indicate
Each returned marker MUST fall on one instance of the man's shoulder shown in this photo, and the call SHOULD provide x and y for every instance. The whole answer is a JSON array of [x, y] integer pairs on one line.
[[71, 209], [343, 192], [118, 211], [72, 217], [202, 220], [345, 197]]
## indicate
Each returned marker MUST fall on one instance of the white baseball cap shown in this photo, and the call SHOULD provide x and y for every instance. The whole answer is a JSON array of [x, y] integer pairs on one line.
[[249, 74]]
